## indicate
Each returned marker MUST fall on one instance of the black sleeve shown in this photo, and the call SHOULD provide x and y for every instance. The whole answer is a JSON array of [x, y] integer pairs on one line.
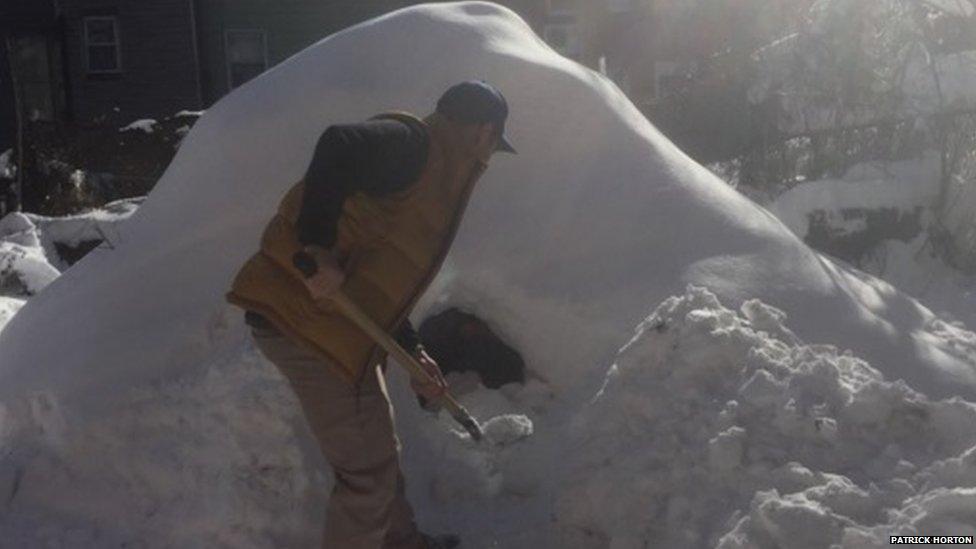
[[325, 191], [407, 337], [376, 157]]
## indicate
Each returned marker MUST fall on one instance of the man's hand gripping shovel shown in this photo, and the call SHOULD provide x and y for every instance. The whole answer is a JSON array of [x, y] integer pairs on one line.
[[306, 264]]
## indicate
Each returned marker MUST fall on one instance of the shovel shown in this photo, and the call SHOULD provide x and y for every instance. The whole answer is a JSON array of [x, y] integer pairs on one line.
[[306, 265]]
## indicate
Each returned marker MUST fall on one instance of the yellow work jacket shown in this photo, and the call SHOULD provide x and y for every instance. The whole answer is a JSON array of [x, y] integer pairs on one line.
[[390, 247]]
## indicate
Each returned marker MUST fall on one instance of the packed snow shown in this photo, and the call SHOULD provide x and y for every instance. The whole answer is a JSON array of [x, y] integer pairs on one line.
[[768, 393]]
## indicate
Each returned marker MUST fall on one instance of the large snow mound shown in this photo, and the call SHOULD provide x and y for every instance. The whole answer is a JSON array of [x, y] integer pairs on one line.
[[151, 396]]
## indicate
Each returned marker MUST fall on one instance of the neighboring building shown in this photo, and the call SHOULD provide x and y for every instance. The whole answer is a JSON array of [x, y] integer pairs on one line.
[[114, 61], [117, 60], [130, 59]]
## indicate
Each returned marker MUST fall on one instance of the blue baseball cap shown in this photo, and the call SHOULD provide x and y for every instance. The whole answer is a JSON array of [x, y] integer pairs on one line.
[[477, 102]]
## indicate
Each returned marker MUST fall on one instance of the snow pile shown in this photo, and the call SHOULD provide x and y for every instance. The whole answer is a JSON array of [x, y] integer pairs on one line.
[[903, 185], [29, 248], [48, 233], [562, 251], [24, 269], [719, 428], [146, 125]]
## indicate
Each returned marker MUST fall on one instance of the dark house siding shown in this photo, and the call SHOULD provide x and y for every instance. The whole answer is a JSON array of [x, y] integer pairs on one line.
[[8, 119], [26, 15], [18, 18], [158, 74], [173, 52]]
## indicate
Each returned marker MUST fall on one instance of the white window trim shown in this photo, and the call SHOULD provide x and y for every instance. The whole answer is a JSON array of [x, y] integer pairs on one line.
[[88, 43], [264, 49]]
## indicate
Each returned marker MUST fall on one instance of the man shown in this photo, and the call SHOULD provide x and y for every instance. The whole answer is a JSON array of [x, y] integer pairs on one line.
[[375, 215]]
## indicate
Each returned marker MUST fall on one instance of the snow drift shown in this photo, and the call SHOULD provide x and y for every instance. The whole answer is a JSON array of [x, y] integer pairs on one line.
[[150, 400]]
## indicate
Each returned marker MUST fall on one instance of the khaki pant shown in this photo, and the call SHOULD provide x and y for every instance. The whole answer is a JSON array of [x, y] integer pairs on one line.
[[367, 508]]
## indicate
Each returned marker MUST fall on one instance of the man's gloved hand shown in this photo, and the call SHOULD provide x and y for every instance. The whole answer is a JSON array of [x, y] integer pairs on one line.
[[429, 394], [329, 275]]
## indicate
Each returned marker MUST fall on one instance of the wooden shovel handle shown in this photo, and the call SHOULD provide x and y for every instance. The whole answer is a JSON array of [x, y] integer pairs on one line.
[[405, 359], [304, 263]]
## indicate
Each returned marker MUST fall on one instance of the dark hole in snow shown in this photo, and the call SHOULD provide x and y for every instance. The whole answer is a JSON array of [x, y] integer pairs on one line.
[[11, 284], [71, 254], [462, 342]]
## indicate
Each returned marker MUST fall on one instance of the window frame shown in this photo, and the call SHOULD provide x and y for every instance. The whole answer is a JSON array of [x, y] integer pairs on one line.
[[227, 61], [114, 19]]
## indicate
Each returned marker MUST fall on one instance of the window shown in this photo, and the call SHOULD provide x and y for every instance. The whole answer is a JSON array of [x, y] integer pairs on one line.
[[102, 44], [247, 55]]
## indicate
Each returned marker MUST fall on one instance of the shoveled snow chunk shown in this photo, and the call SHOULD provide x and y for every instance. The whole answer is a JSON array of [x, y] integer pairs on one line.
[[506, 429], [147, 125]]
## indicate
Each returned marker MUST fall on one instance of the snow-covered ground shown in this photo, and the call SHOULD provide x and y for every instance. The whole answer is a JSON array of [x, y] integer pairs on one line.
[[29, 256], [902, 185], [911, 266], [699, 376]]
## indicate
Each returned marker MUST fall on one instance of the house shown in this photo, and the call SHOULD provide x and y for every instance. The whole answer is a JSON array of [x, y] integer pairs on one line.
[[88, 66], [129, 59], [117, 60], [114, 61]]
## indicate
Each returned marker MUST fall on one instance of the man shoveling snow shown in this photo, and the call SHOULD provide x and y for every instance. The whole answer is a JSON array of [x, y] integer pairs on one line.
[[375, 215]]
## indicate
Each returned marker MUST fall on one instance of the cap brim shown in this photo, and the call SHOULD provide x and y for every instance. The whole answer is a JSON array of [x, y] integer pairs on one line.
[[505, 146]]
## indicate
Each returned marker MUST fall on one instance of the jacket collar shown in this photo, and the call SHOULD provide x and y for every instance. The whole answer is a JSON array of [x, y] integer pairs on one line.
[[440, 133]]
